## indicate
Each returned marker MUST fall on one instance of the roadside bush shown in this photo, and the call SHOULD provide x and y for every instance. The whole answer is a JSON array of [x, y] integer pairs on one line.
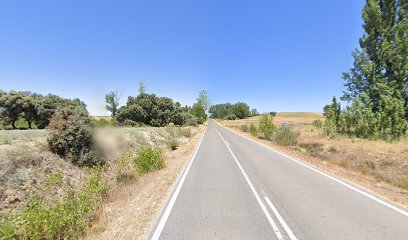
[[318, 123], [66, 218], [244, 128], [285, 135], [71, 136], [148, 159], [173, 144], [101, 122], [266, 126], [253, 130], [231, 117], [185, 119], [130, 123]]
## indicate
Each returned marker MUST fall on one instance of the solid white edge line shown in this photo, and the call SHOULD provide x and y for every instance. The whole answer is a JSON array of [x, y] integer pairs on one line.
[[263, 207], [280, 219], [384, 203], [166, 214]]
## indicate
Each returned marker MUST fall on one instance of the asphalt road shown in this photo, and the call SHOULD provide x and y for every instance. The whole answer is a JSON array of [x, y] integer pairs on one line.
[[235, 188]]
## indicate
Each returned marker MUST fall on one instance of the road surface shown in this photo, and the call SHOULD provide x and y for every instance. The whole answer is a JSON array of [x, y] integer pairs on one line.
[[235, 188]]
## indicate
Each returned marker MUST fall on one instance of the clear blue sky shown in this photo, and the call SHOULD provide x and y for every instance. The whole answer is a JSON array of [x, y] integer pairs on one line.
[[274, 55]]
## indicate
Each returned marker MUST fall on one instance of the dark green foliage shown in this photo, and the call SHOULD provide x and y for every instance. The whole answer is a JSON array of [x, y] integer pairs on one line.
[[148, 159], [34, 108], [220, 111], [71, 136], [266, 126], [148, 109], [230, 116], [46, 107], [273, 114], [14, 105], [285, 135], [240, 110], [376, 86], [184, 119]]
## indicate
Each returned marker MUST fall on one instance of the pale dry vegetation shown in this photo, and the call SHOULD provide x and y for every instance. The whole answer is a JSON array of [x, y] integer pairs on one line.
[[28, 170], [384, 160]]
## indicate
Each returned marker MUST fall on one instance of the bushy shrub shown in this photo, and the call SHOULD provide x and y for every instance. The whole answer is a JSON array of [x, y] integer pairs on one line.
[[244, 128], [318, 123], [231, 117], [130, 123], [173, 144], [266, 126], [285, 135], [148, 159], [185, 119], [72, 136], [253, 130], [193, 121]]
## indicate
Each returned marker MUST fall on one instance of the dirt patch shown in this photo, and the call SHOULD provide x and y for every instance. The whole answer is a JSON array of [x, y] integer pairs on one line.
[[132, 208], [376, 165]]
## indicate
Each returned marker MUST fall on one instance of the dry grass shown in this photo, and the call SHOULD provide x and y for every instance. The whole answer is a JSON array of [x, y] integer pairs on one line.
[[26, 166], [132, 208], [382, 161], [108, 118]]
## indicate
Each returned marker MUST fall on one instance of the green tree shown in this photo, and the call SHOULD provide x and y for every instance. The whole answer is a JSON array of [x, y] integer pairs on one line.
[[12, 107], [72, 136], [142, 87], [112, 102], [203, 100], [241, 110], [376, 85], [199, 112], [266, 126]]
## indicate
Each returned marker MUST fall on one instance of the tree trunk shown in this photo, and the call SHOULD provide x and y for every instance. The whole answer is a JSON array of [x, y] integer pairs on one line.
[[29, 125], [13, 124]]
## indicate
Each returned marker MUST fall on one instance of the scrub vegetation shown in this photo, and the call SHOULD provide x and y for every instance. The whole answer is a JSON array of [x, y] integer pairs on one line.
[[55, 181], [305, 135]]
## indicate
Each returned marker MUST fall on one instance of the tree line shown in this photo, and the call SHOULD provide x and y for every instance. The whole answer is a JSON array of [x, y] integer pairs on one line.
[[34, 108], [230, 111], [152, 110], [377, 84]]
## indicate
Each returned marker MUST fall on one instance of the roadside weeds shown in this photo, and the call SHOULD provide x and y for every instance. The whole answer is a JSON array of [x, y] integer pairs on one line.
[[384, 189], [132, 208]]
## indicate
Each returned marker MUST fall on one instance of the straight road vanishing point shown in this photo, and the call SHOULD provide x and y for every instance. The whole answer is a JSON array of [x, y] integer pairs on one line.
[[235, 188]]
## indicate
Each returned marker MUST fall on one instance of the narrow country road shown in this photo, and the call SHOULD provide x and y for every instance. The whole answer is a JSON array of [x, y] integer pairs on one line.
[[235, 188]]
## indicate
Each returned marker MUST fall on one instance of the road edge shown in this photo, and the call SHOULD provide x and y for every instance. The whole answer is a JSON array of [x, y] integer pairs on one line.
[[169, 198], [395, 206]]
